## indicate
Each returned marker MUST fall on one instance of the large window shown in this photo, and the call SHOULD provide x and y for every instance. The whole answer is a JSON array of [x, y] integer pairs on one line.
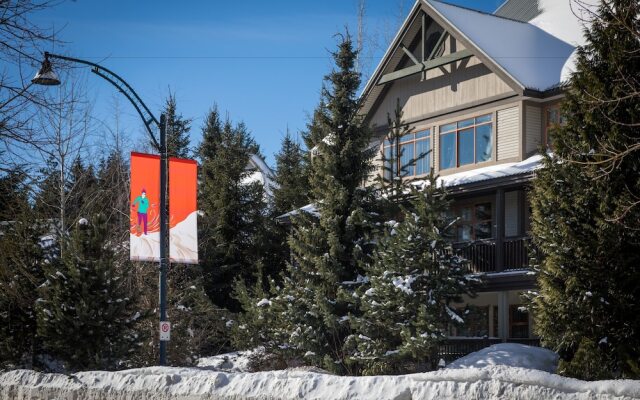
[[466, 142], [409, 156]]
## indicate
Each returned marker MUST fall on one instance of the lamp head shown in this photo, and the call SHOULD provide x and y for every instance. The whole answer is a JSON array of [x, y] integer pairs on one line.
[[46, 76]]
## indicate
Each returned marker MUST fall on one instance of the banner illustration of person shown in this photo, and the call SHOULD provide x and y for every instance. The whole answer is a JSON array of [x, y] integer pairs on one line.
[[143, 206], [144, 220]]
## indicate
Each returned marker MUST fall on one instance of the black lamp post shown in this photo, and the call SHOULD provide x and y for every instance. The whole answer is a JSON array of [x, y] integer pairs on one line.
[[46, 76]]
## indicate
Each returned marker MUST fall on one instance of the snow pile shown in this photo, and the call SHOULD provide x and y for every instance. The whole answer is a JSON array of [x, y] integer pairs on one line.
[[237, 361], [495, 382], [509, 354]]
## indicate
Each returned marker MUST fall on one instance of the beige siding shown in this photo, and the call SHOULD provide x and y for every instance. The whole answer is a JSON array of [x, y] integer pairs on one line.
[[511, 214], [508, 133], [533, 128], [462, 83]]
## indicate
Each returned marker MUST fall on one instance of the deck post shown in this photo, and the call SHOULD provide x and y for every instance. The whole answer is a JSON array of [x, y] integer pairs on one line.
[[499, 230]]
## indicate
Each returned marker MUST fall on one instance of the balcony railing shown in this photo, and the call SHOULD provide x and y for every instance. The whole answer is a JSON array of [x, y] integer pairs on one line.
[[454, 348], [482, 254]]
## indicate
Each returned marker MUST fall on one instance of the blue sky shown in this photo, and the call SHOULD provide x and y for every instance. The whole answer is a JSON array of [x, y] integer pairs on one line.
[[262, 62]]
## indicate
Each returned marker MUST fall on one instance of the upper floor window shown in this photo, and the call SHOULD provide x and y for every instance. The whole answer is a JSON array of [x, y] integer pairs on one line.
[[553, 119], [466, 142], [409, 156]]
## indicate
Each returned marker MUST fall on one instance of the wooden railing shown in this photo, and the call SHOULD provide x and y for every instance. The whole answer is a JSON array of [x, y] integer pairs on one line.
[[482, 254], [453, 348]]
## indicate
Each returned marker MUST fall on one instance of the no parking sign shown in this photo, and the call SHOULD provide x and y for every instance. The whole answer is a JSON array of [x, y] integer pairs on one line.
[[165, 331]]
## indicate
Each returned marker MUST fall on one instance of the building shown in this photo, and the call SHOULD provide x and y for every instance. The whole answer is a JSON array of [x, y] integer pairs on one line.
[[480, 92]]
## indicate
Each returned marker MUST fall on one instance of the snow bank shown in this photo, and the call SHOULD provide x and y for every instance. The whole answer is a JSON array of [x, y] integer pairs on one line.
[[237, 361], [509, 354], [493, 382]]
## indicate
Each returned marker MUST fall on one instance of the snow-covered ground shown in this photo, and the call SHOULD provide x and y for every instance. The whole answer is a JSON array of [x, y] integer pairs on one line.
[[477, 376], [495, 382]]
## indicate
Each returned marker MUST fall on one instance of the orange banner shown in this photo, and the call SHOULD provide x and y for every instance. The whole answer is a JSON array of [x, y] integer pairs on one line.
[[183, 210], [144, 220]]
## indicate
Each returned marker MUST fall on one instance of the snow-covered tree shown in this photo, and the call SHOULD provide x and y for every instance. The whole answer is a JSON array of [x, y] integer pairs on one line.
[[414, 277], [585, 221], [85, 315], [329, 248]]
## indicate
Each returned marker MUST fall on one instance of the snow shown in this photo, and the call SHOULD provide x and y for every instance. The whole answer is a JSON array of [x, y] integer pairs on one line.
[[506, 370], [565, 20], [261, 173], [509, 354], [491, 172], [163, 383], [263, 302], [531, 56]]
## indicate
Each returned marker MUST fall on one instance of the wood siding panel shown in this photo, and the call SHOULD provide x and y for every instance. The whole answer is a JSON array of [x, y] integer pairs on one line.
[[511, 214], [453, 85], [508, 133], [533, 129]]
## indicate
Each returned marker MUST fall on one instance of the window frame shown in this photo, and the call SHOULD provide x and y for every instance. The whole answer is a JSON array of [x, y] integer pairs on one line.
[[456, 133], [473, 222], [397, 153], [515, 308]]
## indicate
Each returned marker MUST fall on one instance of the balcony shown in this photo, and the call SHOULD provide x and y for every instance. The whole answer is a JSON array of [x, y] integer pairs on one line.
[[484, 256], [454, 348]]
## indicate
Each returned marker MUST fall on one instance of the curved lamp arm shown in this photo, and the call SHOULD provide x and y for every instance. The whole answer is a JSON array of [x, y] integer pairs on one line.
[[123, 87]]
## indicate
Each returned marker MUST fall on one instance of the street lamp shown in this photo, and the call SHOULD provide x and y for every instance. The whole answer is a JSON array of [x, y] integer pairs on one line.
[[46, 76]]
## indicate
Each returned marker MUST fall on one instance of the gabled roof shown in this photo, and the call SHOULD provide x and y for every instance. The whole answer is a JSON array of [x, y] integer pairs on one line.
[[529, 55], [524, 55]]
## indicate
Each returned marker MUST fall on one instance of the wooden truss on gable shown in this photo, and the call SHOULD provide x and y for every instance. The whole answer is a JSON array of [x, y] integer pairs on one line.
[[433, 60]]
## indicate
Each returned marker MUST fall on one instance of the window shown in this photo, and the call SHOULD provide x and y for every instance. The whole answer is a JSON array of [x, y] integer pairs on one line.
[[466, 142], [518, 321], [476, 321], [409, 156], [553, 118], [474, 222]]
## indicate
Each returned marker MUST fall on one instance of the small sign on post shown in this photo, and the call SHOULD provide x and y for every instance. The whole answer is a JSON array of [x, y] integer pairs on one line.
[[165, 331]]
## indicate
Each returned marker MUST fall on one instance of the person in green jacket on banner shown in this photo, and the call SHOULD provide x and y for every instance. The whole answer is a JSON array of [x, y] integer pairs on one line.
[[143, 205]]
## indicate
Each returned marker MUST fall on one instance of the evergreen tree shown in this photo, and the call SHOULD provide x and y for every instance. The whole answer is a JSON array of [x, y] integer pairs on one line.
[[21, 257], [14, 194], [292, 185], [233, 208], [81, 189], [85, 316], [328, 247], [414, 276], [112, 198], [178, 129], [589, 237]]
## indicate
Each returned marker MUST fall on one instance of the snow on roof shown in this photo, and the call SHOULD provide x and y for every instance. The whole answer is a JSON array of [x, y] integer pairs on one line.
[[491, 172], [260, 173], [565, 19], [475, 175], [309, 208], [527, 53]]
